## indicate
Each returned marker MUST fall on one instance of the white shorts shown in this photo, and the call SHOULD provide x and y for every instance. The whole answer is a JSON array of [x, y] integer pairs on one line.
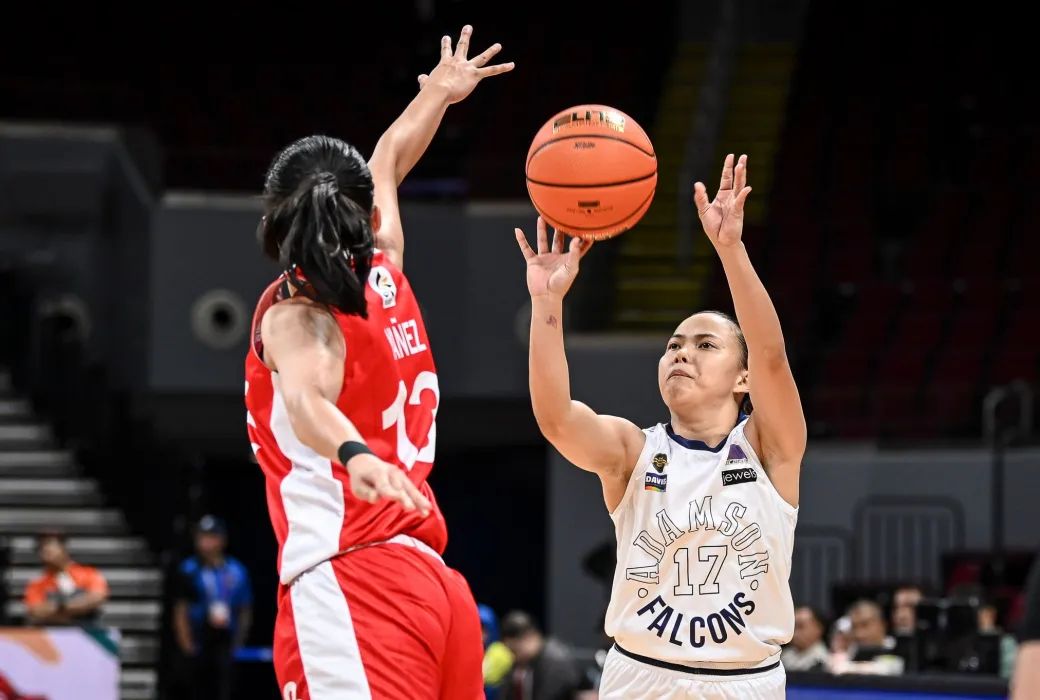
[[625, 678]]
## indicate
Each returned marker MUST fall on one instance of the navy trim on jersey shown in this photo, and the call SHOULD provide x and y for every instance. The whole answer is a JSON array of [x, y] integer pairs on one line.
[[698, 444], [695, 670]]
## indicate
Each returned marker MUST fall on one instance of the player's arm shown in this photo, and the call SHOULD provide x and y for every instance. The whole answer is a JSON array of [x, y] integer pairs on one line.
[[404, 143], [397, 152], [305, 346], [606, 445], [776, 429]]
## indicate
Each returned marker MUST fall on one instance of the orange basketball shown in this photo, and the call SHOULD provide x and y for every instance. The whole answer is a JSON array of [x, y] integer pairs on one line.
[[591, 172]]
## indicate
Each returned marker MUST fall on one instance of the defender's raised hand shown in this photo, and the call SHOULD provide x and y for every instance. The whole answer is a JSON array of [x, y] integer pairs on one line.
[[551, 270], [459, 74], [723, 218]]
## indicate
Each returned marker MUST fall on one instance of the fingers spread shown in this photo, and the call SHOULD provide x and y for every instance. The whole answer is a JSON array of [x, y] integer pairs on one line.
[[740, 174], [489, 53], [399, 483], [421, 503], [488, 71], [700, 198], [462, 48], [445, 47], [727, 174], [525, 247], [557, 242], [543, 238]]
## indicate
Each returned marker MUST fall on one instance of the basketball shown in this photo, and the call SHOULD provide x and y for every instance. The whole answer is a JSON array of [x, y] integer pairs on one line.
[[591, 172]]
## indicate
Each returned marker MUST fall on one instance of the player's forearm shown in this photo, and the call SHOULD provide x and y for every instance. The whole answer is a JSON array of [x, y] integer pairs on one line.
[[550, 381], [410, 135], [754, 308], [319, 424]]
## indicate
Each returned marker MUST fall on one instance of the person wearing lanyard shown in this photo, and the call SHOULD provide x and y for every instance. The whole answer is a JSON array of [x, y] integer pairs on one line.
[[213, 612]]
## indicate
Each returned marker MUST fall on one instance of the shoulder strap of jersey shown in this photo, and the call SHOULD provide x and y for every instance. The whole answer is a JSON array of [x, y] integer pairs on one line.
[[275, 292]]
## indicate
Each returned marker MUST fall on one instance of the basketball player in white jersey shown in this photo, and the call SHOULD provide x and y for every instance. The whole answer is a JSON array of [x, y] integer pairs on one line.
[[704, 505]]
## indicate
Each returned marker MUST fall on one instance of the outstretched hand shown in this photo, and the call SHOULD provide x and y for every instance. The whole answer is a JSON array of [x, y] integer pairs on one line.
[[551, 271], [460, 74], [723, 218], [372, 480]]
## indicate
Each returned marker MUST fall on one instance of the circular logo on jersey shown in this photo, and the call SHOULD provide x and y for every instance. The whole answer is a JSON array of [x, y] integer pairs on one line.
[[383, 284], [660, 461]]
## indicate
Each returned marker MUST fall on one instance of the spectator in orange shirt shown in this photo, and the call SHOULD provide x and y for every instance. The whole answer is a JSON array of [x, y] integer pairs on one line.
[[68, 593]]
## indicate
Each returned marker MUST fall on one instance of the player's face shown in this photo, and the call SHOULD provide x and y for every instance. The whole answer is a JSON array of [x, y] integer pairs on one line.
[[701, 364]]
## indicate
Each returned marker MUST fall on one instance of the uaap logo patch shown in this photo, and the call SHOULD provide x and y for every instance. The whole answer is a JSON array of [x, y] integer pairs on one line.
[[736, 455], [655, 482]]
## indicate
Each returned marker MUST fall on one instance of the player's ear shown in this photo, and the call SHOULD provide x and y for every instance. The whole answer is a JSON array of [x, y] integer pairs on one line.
[[377, 219], [742, 386]]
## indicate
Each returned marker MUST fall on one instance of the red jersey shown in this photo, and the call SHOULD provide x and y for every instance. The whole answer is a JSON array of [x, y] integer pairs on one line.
[[390, 394]]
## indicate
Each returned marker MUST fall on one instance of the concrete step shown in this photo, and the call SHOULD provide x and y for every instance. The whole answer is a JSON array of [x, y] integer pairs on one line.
[[138, 684], [24, 435], [37, 463], [15, 409], [126, 616], [139, 650], [94, 551], [49, 492], [70, 521], [122, 582]]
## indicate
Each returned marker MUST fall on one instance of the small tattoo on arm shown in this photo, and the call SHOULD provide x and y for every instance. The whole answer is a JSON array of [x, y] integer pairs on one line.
[[552, 321]]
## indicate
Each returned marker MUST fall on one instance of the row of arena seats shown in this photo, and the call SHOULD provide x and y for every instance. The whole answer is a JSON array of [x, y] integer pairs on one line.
[[223, 104], [900, 246]]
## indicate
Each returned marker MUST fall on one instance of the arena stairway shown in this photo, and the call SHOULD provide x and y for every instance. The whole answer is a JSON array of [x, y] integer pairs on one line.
[[755, 115], [646, 272], [42, 488]]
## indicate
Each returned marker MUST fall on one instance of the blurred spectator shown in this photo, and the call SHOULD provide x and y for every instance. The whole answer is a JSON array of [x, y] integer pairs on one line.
[[213, 612], [67, 593], [806, 652], [872, 650], [544, 668], [904, 605], [840, 636], [498, 660]]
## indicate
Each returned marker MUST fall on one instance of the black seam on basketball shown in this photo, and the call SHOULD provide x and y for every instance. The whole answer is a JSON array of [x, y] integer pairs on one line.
[[587, 136], [605, 226], [589, 185]]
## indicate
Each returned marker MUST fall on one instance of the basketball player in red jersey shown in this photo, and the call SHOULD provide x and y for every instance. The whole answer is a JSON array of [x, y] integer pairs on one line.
[[342, 396]]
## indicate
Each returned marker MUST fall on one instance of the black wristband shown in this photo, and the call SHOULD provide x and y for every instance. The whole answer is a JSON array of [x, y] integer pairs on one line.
[[350, 449]]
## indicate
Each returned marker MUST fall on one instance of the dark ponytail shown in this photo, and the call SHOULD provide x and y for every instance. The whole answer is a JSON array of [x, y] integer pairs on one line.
[[317, 223]]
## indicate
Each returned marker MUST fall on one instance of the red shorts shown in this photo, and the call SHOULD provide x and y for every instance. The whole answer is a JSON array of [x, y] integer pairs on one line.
[[384, 622]]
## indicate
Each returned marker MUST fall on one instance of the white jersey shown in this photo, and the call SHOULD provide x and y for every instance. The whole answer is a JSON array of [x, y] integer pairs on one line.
[[704, 555]]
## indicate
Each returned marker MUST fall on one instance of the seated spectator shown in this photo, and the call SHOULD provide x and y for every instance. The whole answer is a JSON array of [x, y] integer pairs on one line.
[[904, 609], [806, 652], [498, 660], [544, 668], [67, 593], [873, 650]]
